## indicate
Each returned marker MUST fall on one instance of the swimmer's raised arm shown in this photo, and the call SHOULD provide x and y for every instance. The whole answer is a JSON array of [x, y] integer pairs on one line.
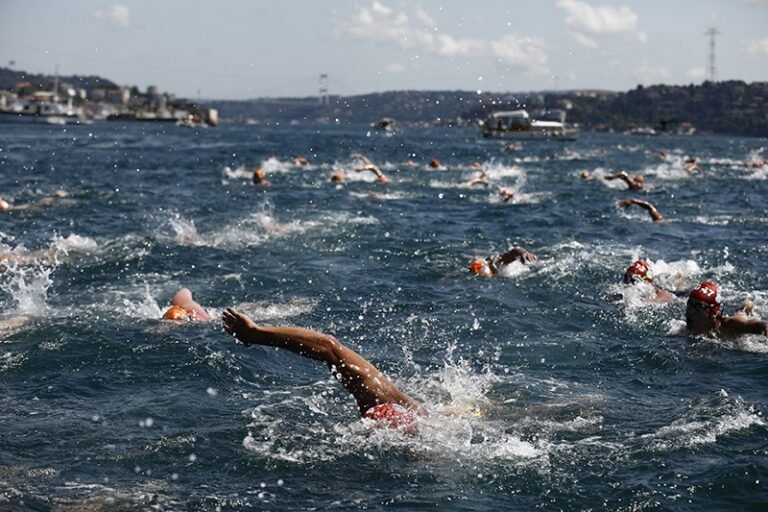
[[654, 213], [363, 380]]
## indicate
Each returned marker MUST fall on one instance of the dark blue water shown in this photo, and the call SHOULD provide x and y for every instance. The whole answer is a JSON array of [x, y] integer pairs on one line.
[[551, 386]]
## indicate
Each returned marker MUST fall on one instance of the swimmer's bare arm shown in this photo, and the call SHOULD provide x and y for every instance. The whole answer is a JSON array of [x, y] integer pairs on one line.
[[655, 215], [740, 324], [517, 254], [623, 176], [363, 380]]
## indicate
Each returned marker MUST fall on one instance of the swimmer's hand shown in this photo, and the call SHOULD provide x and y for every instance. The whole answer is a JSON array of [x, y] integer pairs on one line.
[[239, 326]]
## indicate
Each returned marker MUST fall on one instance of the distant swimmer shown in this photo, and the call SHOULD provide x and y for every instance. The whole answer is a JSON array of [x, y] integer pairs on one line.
[[692, 165], [640, 272], [704, 315], [367, 165], [299, 160], [338, 177], [636, 183], [376, 396], [494, 264], [482, 179], [435, 164], [654, 213], [260, 178], [506, 194], [184, 308], [57, 197]]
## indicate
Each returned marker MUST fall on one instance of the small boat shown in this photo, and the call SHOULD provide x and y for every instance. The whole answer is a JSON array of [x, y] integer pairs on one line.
[[519, 124]]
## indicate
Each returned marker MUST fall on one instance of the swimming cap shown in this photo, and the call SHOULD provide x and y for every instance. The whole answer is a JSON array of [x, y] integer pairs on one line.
[[176, 313], [480, 268], [707, 293], [393, 416], [637, 272]]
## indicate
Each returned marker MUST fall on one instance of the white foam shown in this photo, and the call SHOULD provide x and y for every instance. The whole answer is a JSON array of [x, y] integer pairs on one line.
[[28, 286]]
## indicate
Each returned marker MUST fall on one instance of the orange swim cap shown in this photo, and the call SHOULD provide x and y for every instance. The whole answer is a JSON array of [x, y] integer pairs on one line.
[[176, 313], [480, 268]]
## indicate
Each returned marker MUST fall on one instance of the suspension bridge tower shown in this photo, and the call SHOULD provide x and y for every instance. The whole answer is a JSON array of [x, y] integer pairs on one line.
[[712, 69], [322, 89]]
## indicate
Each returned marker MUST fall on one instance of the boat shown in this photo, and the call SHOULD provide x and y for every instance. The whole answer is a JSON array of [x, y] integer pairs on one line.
[[41, 112], [520, 124]]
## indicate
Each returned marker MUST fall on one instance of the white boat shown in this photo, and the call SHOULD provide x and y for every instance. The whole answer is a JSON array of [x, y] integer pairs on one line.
[[519, 124], [40, 112]]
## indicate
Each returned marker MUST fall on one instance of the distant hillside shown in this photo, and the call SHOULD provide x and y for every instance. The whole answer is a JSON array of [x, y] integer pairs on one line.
[[732, 107], [10, 78]]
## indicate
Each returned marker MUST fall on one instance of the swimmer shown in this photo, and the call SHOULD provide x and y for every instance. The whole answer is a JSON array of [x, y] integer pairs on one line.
[[56, 197], [492, 265], [183, 307], [376, 396], [338, 177], [586, 176], [260, 177], [704, 314], [636, 183], [482, 179], [370, 166], [299, 161], [692, 165], [507, 194], [435, 164], [654, 213], [640, 272]]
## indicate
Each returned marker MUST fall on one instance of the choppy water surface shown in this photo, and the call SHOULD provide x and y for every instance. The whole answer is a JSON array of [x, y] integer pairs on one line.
[[552, 387]]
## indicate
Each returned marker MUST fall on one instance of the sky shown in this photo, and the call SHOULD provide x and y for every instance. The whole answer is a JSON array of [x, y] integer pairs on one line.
[[237, 49]]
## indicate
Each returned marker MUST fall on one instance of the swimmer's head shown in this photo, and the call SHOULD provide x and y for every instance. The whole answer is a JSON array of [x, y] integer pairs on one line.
[[176, 313], [585, 175], [4, 205], [337, 177], [434, 163], [638, 272], [480, 267], [706, 295]]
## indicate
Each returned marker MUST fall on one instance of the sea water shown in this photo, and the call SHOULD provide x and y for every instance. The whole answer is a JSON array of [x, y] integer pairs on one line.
[[550, 386]]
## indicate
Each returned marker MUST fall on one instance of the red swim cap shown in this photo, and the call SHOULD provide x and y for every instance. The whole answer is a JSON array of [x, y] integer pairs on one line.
[[638, 271], [393, 416], [707, 293], [176, 313]]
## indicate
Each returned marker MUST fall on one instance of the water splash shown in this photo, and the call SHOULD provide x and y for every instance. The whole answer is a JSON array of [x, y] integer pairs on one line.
[[28, 286]]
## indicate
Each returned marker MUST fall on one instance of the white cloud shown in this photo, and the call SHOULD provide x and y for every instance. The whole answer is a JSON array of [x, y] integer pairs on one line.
[[380, 23], [647, 73], [583, 40], [394, 67], [118, 15], [526, 52], [587, 20], [697, 74], [758, 47]]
